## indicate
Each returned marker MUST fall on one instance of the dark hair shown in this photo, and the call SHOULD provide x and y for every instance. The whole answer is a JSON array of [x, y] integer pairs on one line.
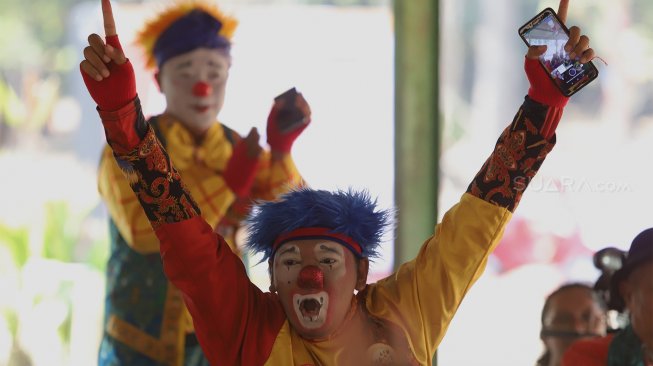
[[544, 359], [587, 286]]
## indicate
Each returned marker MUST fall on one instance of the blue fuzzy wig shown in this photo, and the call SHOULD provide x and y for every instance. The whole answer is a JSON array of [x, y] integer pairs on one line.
[[350, 213]]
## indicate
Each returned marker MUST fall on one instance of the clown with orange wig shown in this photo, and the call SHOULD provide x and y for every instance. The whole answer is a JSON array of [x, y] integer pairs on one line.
[[188, 47], [319, 309]]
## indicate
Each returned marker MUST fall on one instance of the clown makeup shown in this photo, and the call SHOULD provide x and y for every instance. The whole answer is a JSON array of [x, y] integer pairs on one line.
[[315, 280], [194, 86]]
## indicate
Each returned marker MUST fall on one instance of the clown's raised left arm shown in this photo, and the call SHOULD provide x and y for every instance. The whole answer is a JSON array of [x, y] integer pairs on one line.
[[210, 271], [424, 294]]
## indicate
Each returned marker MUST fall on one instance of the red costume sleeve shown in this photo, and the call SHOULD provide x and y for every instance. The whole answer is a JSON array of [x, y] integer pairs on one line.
[[236, 323]]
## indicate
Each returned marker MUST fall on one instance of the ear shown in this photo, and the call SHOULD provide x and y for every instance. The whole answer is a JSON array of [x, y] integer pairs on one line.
[[361, 273], [271, 275], [157, 78]]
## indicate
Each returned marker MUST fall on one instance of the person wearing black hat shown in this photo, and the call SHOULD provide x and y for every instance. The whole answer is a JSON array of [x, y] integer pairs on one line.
[[631, 290], [319, 309], [188, 48]]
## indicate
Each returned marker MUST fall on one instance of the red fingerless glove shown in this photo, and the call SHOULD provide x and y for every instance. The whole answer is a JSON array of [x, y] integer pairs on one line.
[[280, 141], [241, 170], [118, 89], [542, 90]]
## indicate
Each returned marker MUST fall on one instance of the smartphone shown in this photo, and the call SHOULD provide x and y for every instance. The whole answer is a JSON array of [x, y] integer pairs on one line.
[[290, 117], [568, 75]]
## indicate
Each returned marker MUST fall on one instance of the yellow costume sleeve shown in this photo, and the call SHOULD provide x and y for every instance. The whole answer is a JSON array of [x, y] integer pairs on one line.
[[423, 295]]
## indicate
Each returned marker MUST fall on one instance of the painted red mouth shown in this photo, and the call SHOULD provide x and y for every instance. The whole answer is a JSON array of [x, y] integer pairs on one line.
[[201, 109]]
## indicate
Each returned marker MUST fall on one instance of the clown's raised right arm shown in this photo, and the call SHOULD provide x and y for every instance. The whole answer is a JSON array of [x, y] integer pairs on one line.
[[228, 310], [432, 286]]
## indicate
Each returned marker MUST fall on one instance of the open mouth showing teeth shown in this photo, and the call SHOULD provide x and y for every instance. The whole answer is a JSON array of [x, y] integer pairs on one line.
[[310, 308]]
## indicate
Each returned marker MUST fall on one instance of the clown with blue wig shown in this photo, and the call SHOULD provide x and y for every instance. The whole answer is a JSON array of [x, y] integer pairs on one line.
[[188, 45], [319, 309]]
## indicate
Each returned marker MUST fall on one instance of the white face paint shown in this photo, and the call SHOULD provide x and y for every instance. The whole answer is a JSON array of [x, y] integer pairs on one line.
[[178, 77], [315, 312], [288, 261], [331, 257]]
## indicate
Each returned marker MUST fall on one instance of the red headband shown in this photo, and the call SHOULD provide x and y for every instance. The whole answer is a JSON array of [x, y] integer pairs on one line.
[[317, 233]]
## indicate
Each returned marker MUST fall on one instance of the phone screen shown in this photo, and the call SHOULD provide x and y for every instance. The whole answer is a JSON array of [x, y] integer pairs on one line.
[[568, 75]]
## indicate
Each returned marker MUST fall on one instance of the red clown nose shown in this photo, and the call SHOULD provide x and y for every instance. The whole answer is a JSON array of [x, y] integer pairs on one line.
[[311, 277], [201, 89]]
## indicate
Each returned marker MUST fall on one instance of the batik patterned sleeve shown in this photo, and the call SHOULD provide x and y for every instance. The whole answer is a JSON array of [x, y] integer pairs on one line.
[[517, 156], [146, 166]]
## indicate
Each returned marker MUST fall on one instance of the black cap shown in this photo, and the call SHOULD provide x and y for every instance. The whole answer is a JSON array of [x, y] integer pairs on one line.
[[640, 252]]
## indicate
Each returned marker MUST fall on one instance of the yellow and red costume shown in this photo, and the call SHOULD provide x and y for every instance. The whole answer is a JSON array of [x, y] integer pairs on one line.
[[402, 318], [399, 320]]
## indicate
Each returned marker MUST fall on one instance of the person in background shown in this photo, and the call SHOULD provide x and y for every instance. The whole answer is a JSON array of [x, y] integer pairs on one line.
[[631, 290], [188, 47], [571, 312], [320, 309]]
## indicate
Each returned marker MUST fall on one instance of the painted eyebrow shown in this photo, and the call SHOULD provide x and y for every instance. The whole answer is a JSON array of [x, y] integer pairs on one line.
[[183, 65], [329, 249], [292, 249], [216, 64]]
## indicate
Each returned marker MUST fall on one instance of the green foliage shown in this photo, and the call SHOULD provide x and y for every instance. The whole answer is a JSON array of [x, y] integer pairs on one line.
[[59, 238], [63, 238], [12, 109], [32, 31], [21, 45], [17, 241], [98, 254], [65, 294], [12, 320]]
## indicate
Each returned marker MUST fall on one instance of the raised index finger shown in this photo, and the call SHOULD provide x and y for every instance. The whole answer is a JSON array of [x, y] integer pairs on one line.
[[107, 15], [562, 10]]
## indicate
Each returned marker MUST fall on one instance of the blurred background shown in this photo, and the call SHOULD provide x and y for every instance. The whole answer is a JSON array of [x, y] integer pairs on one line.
[[593, 191]]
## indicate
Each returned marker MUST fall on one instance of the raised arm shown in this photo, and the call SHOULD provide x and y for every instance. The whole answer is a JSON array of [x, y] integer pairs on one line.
[[432, 286], [228, 310], [524, 144]]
